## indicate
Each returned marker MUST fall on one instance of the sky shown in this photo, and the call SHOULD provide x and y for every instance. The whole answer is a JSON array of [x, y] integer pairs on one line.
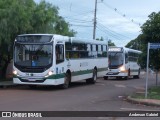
[[117, 20]]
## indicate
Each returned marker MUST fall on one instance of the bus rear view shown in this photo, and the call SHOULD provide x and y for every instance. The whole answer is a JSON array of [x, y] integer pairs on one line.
[[123, 62]]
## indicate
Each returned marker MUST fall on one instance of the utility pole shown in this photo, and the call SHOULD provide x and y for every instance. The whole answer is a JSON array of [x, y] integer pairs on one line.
[[95, 20]]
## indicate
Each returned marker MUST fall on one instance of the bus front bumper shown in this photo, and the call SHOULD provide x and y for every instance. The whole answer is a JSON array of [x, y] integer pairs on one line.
[[38, 82], [116, 74]]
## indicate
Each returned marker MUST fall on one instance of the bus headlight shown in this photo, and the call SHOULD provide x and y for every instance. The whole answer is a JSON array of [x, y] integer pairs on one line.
[[49, 74], [122, 69], [15, 72]]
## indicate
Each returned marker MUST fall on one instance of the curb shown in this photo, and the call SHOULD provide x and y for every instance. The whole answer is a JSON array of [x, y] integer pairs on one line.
[[148, 102]]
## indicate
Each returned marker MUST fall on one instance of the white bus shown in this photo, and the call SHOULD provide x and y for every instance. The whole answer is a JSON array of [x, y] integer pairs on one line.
[[122, 63], [49, 59]]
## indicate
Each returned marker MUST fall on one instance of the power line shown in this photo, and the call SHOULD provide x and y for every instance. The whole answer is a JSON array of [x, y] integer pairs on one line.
[[78, 14], [79, 20], [101, 27], [113, 37], [80, 25], [113, 32], [120, 13], [108, 33]]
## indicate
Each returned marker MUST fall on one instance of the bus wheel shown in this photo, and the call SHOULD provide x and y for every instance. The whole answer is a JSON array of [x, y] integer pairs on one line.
[[67, 79], [126, 77], [105, 78], [94, 77], [137, 76]]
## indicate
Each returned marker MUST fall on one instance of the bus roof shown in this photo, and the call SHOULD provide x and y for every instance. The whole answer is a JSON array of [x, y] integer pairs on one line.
[[82, 40], [69, 39], [132, 50]]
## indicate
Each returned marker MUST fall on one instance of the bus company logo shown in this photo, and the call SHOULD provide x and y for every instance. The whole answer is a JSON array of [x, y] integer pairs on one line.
[[29, 74], [6, 114]]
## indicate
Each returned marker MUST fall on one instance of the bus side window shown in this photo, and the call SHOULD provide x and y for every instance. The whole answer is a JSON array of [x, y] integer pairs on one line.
[[59, 53], [126, 58]]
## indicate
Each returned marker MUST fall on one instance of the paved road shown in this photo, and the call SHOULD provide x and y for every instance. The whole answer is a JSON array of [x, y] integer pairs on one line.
[[105, 95]]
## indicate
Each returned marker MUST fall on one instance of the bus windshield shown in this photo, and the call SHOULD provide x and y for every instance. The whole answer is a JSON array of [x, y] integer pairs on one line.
[[33, 55], [115, 59]]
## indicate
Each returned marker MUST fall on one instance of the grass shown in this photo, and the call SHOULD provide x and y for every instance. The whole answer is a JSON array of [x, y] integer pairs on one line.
[[153, 93]]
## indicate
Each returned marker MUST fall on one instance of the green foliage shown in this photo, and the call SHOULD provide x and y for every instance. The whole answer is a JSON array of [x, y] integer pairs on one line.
[[136, 43], [25, 16], [110, 43], [153, 93], [100, 39], [150, 33], [152, 28]]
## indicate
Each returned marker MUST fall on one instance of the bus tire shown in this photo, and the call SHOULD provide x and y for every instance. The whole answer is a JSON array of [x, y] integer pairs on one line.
[[67, 80], [105, 78], [94, 77], [137, 76], [126, 77]]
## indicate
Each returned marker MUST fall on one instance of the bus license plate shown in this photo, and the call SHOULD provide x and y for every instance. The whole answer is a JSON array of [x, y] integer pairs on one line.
[[110, 73], [31, 79]]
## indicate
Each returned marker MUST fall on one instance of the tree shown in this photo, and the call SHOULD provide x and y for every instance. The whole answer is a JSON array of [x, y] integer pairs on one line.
[[110, 43], [100, 39], [150, 33], [62, 27], [25, 16], [136, 43]]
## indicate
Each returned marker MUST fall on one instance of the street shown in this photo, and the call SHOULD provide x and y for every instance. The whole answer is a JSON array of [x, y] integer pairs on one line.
[[105, 95]]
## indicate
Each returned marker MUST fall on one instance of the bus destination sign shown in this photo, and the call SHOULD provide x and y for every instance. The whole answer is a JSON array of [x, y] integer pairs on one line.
[[115, 49]]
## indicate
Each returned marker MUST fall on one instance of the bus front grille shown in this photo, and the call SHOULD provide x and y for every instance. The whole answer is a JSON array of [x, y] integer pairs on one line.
[[35, 81], [33, 70]]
